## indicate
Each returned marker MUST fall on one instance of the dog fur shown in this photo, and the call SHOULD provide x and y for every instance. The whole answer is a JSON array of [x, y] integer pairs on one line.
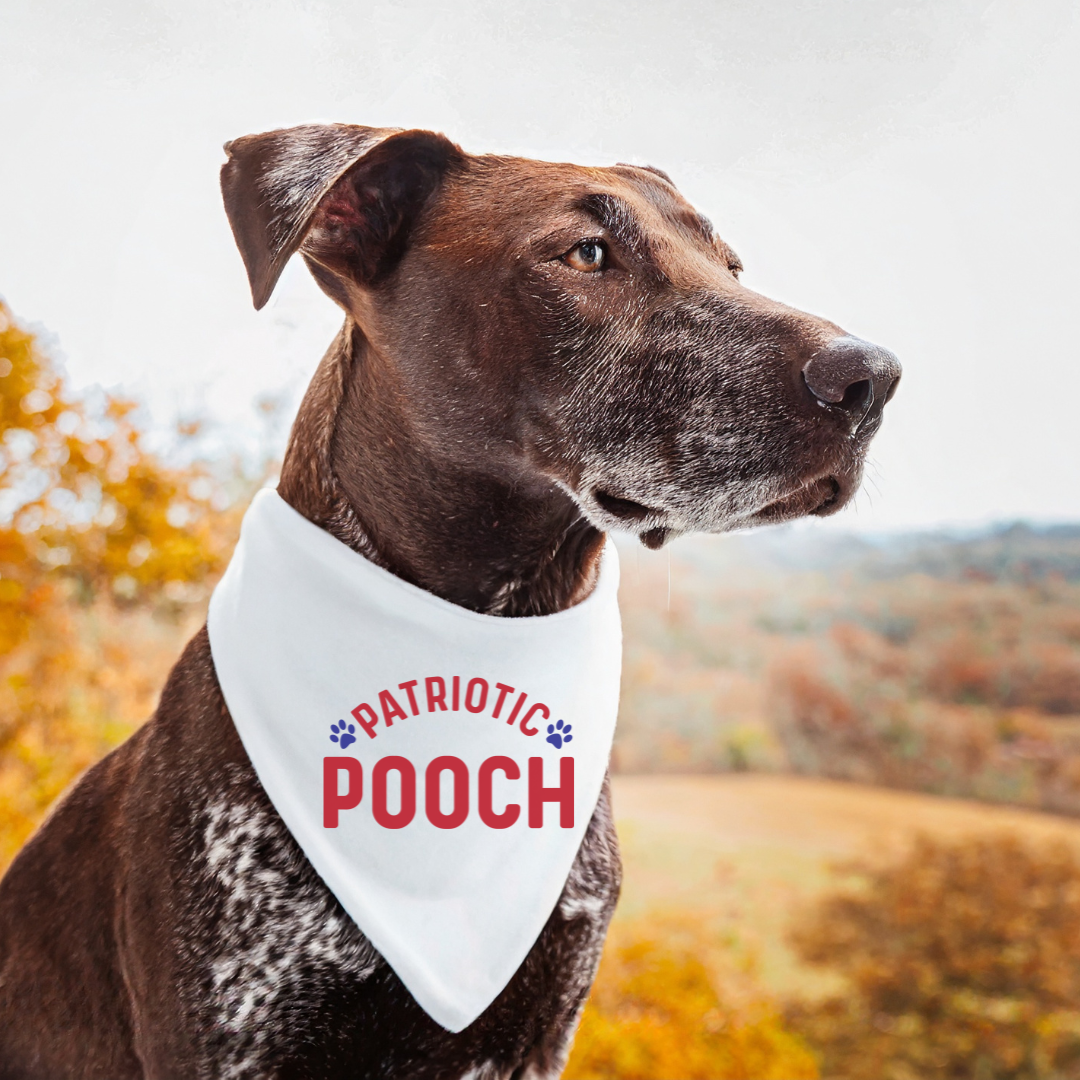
[[492, 405]]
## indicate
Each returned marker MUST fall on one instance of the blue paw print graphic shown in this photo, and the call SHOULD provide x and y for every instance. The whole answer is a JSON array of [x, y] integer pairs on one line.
[[342, 737], [559, 733]]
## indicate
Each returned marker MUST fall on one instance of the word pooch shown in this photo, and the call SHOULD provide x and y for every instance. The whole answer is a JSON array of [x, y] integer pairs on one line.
[[335, 800]]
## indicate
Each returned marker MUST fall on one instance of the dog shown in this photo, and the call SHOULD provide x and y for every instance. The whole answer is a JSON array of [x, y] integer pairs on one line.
[[532, 354]]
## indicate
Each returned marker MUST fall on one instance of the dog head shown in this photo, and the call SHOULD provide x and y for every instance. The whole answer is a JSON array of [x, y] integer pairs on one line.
[[583, 328]]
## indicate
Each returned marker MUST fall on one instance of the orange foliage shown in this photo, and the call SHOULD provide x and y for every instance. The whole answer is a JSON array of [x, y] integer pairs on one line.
[[969, 701], [962, 960], [657, 1013], [960, 684], [95, 531]]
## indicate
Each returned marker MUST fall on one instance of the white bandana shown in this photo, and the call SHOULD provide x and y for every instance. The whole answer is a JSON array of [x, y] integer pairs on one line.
[[437, 766]]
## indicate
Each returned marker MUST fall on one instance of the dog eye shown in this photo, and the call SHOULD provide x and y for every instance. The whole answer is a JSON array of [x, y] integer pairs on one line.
[[588, 256]]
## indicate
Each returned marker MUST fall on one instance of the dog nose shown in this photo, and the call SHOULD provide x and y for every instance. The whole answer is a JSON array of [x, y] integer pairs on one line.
[[853, 376]]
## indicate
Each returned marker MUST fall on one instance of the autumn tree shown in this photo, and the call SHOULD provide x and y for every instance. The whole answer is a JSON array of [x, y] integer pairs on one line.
[[961, 959], [659, 1012], [93, 527]]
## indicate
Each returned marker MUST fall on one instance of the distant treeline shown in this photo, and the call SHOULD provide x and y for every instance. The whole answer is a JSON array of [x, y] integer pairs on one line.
[[1015, 551]]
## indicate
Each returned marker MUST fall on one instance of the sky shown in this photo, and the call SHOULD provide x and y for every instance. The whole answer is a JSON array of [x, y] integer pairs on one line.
[[905, 170]]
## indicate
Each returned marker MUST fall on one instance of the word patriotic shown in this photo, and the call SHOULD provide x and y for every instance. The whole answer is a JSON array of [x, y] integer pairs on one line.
[[444, 811], [434, 694]]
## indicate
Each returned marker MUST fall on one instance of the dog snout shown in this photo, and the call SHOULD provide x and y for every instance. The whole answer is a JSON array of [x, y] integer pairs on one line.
[[853, 378]]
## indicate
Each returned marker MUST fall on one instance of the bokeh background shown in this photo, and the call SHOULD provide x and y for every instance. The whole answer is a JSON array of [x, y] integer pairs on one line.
[[848, 765]]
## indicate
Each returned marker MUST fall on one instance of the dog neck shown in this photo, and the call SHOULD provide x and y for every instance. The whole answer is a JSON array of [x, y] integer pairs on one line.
[[512, 546]]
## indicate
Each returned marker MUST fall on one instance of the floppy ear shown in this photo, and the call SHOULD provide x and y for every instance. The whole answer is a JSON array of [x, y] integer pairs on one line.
[[341, 193]]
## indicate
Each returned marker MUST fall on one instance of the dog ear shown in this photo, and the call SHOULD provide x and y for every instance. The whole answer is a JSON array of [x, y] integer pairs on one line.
[[342, 193]]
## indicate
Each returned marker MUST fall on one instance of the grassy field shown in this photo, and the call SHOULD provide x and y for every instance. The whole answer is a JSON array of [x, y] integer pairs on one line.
[[742, 852]]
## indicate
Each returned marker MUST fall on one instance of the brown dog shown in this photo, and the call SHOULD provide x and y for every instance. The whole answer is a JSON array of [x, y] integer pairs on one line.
[[532, 354]]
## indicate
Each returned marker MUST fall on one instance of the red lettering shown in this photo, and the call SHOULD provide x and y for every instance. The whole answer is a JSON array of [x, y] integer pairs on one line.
[[484, 793], [563, 794], [379, 809], [369, 724], [517, 708], [433, 698], [335, 800], [408, 688], [457, 691], [538, 707], [390, 708], [503, 691], [460, 772], [482, 684]]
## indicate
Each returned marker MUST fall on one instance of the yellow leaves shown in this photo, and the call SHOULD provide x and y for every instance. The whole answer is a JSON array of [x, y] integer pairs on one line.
[[657, 1013], [83, 681], [97, 533], [76, 477]]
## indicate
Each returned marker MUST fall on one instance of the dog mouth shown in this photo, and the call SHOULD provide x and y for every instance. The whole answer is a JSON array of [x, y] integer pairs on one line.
[[819, 497]]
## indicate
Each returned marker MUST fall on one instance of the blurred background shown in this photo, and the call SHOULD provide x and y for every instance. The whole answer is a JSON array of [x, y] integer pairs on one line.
[[848, 761]]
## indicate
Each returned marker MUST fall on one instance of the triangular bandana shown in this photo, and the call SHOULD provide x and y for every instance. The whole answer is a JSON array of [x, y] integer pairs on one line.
[[438, 767]]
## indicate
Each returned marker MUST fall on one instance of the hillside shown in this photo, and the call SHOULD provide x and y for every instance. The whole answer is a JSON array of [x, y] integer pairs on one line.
[[948, 664], [741, 855]]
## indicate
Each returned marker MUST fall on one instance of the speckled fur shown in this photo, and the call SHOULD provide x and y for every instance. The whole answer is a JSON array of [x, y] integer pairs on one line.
[[276, 932]]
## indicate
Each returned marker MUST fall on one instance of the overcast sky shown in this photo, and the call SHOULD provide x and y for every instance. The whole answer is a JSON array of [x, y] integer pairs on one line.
[[908, 171]]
